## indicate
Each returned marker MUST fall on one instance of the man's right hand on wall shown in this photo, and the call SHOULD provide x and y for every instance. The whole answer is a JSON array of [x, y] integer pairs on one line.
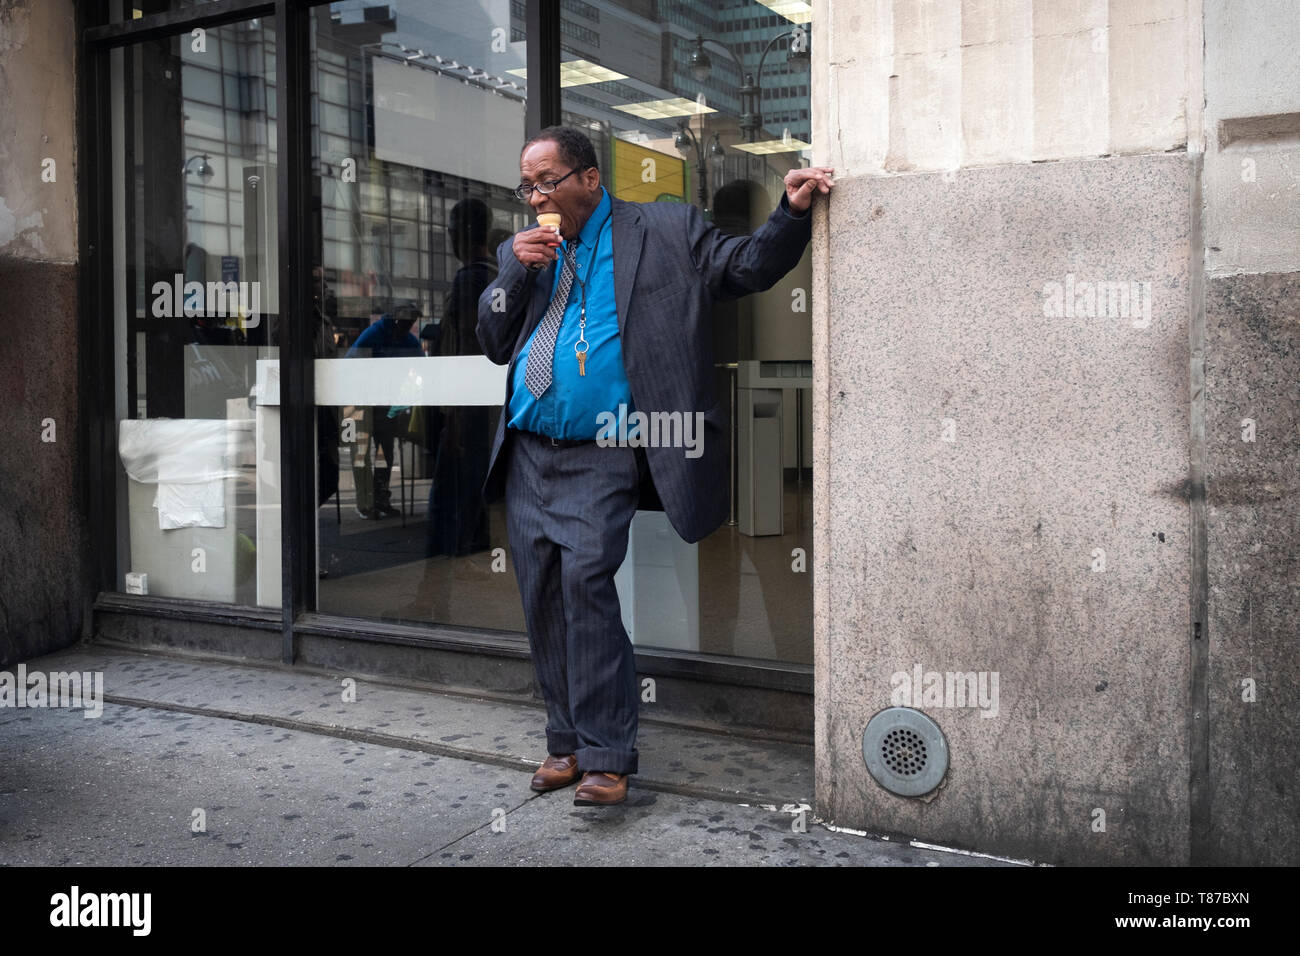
[[800, 184]]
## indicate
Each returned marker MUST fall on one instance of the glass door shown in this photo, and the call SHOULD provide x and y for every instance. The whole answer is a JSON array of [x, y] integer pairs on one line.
[[195, 313], [708, 104], [420, 117]]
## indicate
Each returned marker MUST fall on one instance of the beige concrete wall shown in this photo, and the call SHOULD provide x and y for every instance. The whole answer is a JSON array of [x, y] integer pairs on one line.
[[1252, 181], [38, 201], [913, 86]]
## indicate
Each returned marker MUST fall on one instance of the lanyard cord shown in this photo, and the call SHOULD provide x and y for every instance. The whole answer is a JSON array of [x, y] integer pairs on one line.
[[580, 346]]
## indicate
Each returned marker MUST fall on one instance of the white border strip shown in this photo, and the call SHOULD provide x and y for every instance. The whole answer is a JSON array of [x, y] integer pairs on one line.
[[435, 380]]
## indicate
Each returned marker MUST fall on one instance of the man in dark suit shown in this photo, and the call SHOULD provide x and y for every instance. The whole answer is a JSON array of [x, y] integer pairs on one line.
[[612, 321]]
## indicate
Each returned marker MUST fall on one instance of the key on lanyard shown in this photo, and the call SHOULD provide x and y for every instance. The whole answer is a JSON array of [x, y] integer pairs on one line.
[[580, 347]]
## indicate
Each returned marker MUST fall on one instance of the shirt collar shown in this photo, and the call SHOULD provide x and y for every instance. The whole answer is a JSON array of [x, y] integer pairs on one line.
[[596, 221]]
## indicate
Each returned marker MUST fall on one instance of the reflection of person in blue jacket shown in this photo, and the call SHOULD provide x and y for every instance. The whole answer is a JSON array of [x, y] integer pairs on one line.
[[390, 337]]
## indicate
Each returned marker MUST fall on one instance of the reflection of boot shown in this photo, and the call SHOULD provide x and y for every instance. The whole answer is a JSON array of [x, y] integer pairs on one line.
[[383, 497], [365, 499], [363, 481]]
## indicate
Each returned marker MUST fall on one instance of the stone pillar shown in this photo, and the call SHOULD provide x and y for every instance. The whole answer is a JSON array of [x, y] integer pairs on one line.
[[43, 546], [1015, 456]]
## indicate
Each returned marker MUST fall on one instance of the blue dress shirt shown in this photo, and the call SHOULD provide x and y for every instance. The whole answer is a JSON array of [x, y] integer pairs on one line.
[[570, 407]]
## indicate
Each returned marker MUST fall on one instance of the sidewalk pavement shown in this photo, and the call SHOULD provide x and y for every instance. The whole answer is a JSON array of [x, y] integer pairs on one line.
[[198, 762]]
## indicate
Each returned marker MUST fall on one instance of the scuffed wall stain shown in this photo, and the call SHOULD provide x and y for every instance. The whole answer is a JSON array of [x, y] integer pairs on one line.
[[13, 227], [14, 25]]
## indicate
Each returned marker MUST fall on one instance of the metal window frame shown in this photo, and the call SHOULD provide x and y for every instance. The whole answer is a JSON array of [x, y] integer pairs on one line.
[[97, 37]]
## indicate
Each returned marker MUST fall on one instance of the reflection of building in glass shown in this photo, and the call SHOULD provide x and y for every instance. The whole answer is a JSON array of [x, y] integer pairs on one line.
[[227, 114], [653, 89], [379, 73]]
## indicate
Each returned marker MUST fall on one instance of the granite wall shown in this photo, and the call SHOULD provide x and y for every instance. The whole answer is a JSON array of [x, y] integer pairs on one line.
[[43, 545], [1096, 506], [1252, 486], [1009, 479], [1250, 799]]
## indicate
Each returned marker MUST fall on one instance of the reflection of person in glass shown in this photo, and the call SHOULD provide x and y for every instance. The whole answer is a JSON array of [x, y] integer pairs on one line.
[[389, 337], [458, 518], [624, 323], [327, 416]]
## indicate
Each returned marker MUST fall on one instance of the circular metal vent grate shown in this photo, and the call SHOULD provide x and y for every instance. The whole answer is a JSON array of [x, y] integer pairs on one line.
[[905, 751]]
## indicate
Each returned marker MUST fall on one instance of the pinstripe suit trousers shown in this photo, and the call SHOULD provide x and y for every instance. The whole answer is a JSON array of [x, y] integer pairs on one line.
[[568, 510]]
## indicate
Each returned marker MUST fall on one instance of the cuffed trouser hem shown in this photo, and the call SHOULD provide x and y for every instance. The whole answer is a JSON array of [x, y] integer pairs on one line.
[[592, 759], [561, 743]]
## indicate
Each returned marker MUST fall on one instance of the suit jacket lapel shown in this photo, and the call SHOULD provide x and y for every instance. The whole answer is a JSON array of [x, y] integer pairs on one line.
[[628, 234], [541, 298]]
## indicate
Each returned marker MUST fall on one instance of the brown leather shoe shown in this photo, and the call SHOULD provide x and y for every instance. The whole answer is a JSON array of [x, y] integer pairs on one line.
[[600, 788], [556, 772]]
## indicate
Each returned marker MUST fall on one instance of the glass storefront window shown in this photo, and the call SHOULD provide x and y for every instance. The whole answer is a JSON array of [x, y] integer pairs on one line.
[[195, 308], [420, 118]]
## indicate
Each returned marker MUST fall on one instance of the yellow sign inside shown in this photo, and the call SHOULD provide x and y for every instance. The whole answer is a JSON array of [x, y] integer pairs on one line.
[[646, 175]]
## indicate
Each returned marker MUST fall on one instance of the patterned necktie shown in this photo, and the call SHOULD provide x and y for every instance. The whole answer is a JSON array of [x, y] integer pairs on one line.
[[541, 354]]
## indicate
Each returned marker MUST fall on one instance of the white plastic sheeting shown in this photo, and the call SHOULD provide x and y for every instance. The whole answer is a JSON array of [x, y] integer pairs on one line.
[[188, 459]]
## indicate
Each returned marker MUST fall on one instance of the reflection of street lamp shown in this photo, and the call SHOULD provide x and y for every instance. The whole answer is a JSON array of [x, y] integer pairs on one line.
[[700, 62], [685, 138], [751, 92], [717, 159], [204, 170]]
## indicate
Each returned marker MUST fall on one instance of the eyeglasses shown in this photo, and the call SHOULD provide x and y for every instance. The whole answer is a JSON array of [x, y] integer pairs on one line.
[[524, 191]]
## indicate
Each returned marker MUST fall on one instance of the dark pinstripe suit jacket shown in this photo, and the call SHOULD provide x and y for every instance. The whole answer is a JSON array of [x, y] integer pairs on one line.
[[670, 265]]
